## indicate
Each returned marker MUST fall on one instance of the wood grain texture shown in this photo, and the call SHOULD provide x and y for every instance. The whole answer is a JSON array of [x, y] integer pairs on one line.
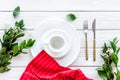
[[104, 20], [23, 60], [34, 12], [16, 72], [61, 5], [13, 74]]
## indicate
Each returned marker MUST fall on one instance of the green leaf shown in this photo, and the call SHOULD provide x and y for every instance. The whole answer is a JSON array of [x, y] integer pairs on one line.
[[105, 48], [15, 48], [113, 45], [118, 50], [23, 44], [102, 74], [106, 67], [17, 24], [20, 24], [6, 37], [6, 63], [114, 58], [5, 59], [104, 58], [3, 50], [1, 42], [16, 11], [4, 69], [30, 43], [118, 75], [110, 75], [71, 17], [20, 35], [115, 40]]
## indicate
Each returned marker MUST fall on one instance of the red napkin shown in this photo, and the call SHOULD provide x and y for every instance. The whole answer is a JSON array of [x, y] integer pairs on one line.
[[44, 67]]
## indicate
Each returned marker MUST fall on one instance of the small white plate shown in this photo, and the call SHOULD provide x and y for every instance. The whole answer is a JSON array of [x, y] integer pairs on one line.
[[68, 30], [57, 32]]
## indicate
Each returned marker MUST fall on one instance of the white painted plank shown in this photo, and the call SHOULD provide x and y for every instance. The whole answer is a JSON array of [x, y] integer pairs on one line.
[[100, 38], [81, 61], [60, 5], [23, 60], [89, 72], [109, 20], [15, 73]]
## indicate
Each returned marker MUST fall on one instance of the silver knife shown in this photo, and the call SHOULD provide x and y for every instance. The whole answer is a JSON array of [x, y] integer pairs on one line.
[[94, 39]]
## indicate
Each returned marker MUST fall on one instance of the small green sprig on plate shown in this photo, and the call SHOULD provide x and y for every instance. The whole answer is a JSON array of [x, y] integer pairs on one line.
[[109, 70], [9, 46]]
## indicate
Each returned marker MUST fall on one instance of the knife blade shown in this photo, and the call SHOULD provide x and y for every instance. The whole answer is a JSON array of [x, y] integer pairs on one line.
[[94, 28], [94, 39]]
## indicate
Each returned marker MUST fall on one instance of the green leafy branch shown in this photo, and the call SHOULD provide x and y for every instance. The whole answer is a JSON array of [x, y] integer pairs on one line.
[[109, 70], [10, 47]]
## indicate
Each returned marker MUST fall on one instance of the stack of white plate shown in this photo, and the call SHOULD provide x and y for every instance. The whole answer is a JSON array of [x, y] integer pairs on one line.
[[59, 39]]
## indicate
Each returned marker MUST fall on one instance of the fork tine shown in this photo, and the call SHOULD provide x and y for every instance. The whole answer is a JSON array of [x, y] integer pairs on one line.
[[85, 24]]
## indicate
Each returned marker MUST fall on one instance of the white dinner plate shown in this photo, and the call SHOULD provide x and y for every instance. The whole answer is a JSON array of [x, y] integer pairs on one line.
[[40, 35]]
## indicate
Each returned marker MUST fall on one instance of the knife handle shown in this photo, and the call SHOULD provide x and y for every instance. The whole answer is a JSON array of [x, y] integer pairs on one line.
[[94, 50], [86, 49]]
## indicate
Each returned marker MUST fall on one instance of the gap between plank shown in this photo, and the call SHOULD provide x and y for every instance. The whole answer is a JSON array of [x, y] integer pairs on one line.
[[62, 11]]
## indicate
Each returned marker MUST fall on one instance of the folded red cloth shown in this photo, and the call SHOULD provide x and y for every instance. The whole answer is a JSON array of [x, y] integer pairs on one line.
[[44, 67]]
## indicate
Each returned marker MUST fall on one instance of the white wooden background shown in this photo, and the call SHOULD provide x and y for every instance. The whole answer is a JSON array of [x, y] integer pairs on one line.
[[106, 12]]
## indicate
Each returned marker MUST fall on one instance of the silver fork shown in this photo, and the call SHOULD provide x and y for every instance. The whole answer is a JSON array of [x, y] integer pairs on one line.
[[85, 26]]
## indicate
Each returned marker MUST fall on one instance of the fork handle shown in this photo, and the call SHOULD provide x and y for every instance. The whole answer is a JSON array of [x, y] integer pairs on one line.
[[86, 48], [94, 49]]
